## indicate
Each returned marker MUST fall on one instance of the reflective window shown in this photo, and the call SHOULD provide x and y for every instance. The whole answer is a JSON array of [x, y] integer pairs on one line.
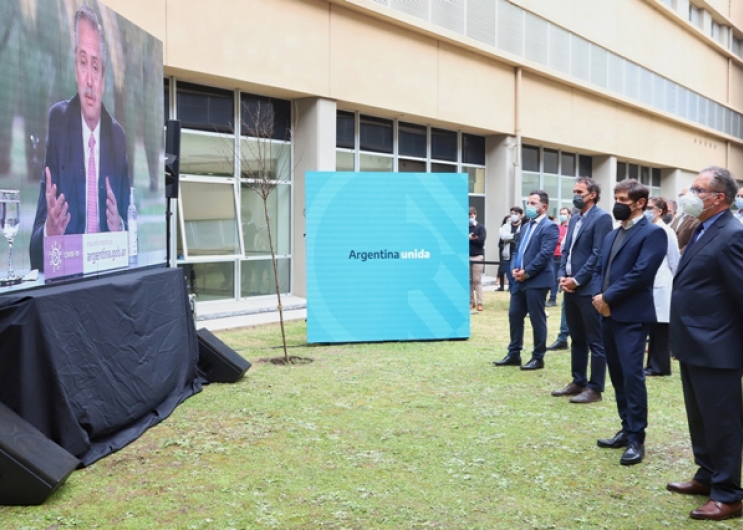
[[205, 153], [264, 117], [443, 145], [411, 166], [530, 158], [375, 162], [345, 131], [551, 161], [261, 158], [257, 277], [375, 134], [567, 164], [343, 161], [411, 140], [253, 219], [473, 149], [208, 217], [205, 108]]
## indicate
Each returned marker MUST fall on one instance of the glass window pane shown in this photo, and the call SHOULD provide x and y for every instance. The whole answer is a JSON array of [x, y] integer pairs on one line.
[[344, 129], [211, 281], [253, 217], [411, 166], [634, 171], [645, 176], [263, 117], [265, 158], [375, 163], [473, 149], [585, 166], [442, 168], [205, 108], [552, 186], [209, 218], [566, 189], [376, 134], [257, 277], [530, 158], [656, 177], [550, 161], [567, 166], [476, 179], [343, 161], [411, 140], [529, 182], [554, 208], [443, 144], [207, 154], [621, 171]]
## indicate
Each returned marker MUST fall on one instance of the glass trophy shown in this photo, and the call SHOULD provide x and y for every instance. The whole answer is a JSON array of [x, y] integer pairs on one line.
[[10, 218]]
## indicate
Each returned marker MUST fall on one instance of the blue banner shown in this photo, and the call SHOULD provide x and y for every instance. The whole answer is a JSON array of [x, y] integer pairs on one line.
[[387, 256]]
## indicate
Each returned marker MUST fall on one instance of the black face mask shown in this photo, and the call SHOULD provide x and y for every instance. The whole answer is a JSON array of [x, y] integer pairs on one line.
[[621, 212], [578, 201], [668, 218]]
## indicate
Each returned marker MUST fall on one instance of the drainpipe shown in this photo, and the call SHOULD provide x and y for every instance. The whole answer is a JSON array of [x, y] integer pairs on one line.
[[517, 127]]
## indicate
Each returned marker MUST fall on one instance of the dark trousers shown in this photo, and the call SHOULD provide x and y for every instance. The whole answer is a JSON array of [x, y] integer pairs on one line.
[[556, 266], [584, 323], [714, 409], [507, 267], [530, 301], [659, 349], [624, 343], [564, 331]]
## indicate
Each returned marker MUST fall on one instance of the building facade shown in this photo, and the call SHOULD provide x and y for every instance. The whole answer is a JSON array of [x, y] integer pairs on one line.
[[519, 94]]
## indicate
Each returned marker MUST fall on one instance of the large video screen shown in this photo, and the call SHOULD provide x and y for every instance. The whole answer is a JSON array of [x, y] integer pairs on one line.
[[387, 256], [81, 143]]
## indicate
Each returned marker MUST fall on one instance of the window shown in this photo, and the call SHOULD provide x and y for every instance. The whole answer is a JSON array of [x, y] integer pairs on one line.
[[208, 219], [273, 115], [530, 158], [345, 132], [551, 161], [443, 145], [567, 164], [585, 166], [473, 149], [412, 140], [694, 15], [205, 108], [375, 134], [556, 174], [648, 176]]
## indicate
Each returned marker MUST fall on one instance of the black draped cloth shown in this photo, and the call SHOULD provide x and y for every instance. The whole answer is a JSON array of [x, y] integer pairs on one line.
[[94, 364]]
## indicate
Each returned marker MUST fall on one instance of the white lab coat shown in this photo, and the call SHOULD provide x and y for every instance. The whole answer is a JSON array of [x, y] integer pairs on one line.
[[663, 283]]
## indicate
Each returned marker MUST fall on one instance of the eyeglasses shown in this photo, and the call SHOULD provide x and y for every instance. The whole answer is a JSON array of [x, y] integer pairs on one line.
[[697, 191]]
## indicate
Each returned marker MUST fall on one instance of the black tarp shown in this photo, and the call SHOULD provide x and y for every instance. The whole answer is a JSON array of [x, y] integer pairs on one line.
[[94, 364]]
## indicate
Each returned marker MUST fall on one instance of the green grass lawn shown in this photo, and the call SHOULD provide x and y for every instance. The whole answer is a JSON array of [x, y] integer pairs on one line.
[[393, 435]]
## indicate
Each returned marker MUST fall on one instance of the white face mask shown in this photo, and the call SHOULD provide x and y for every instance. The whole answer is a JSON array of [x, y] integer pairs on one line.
[[691, 204], [515, 218]]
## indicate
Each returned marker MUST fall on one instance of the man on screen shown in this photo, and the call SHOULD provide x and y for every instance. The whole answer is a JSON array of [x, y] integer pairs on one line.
[[85, 184]]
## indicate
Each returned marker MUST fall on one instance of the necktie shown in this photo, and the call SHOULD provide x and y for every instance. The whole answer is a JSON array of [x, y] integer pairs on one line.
[[525, 235], [694, 237], [92, 210]]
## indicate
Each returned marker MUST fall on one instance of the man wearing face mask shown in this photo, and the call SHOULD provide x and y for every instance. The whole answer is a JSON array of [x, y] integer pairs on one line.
[[684, 225], [623, 294], [706, 338], [585, 235], [739, 205], [533, 276], [477, 253], [509, 234]]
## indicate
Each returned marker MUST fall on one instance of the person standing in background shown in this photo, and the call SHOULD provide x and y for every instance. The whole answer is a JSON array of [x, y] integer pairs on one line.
[[563, 220], [659, 353], [503, 262], [683, 225], [477, 253], [739, 205], [509, 234]]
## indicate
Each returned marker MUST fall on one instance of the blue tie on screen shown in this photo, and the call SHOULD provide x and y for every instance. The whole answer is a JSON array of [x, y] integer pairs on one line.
[[525, 240]]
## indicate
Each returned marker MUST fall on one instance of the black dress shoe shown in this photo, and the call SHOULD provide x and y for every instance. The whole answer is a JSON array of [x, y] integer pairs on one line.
[[533, 364], [557, 345], [551, 303], [633, 454], [619, 440], [508, 360]]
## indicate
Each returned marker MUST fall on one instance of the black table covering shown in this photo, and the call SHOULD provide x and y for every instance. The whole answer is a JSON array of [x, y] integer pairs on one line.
[[94, 364]]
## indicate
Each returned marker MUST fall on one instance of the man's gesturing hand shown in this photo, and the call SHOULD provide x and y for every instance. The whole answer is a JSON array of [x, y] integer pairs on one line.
[[57, 216]]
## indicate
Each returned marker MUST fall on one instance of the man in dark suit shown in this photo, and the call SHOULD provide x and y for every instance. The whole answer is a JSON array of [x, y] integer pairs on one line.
[[623, 294], [707, 339], [586, 234], [533, 276], [85, 185]]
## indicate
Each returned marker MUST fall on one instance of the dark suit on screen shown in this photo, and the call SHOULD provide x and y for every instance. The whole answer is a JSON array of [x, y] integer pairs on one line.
[[707, 339], [629, 294], [530, 295], [584, 321], [65, 158]]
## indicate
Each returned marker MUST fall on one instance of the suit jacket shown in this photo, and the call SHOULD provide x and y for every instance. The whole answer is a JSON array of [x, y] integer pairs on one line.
[[707, 298], [65, 158], [630, 291], [684, 228], [586, 249], [537, 261]]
